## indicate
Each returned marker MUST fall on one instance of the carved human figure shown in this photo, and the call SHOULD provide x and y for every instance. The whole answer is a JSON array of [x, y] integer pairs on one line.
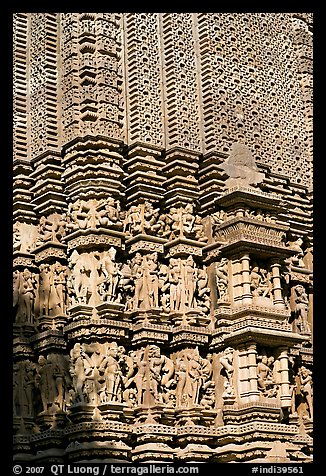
[[50, 381], [152, 279], [112, 373], [175, 279], [50, 229], [260, 282], [133, 221], [85, 271], [216, 219], [59, 289], [181, 375], [137, 273], [301, 303], [28, 287], [203, 291], [164, 287], [189, 377], [77, 371], [221, 272], [16, 236], [44, 288], [187, 219], [307, 388], [198, 230], [140, 376], [111, 273], [23, 388], [151, 214], [16, 288], [110, 214], [227, 370], [265, 378], [190, 278], [297, 259]]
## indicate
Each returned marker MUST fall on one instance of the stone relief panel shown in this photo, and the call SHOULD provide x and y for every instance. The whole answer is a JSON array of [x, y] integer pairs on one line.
[[148, 314]]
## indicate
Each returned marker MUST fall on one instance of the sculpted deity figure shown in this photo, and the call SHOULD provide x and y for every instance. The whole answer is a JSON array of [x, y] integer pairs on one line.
[[23, 388], [164, 287], [112, 375], [77, 371], [60, 276], [50, 382], [297, 259], [152, 279], [203, 291], [25, 288], [175, 279], [260, 282], [216, 219], [307, 388], [222, 279], [190, 278], [188, 219], [50, 229], [198, 229], [151, 216], [300, 311], [133, 221], [144, 271], [227, 371], [16, 236], [110, 270], [110, 214], [265, 376], [85, 269], [44, 289], [193, 377]]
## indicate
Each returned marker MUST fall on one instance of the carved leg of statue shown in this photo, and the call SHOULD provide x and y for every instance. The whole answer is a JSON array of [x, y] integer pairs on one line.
[[59, 386]]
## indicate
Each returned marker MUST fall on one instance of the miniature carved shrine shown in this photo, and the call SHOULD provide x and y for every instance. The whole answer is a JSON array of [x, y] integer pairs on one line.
[[162, 270]]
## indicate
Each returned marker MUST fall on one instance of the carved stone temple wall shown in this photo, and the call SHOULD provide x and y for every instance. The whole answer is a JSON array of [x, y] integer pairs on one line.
[[162, 270]]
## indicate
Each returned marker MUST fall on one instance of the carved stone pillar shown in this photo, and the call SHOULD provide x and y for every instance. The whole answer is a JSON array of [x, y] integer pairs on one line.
[[244, 384], [237, 280], [285, 394], [277, 288], [246, 295], [252, 372]]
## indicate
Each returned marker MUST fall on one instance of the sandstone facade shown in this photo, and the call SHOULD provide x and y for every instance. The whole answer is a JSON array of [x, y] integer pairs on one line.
[[163, 248]]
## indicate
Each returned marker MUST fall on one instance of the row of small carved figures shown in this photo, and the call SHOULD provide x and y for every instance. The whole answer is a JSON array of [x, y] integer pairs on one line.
[[98, 374], [139, 219], [141, 283]]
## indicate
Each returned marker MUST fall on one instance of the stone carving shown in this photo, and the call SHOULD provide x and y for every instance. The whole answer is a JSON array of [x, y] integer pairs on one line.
[[222, 280], [260, 283], [227, 371], [136, 188], [297, 259], [51, 229], [216, 219], [142, 219], [265, 376], [240, 167], [53, 297], [25, 287], [300, 304], [23, 388], [146, 282], [306, 388], [94, 214], [193, 377], [182, 222], [97, 373], [51, 382]]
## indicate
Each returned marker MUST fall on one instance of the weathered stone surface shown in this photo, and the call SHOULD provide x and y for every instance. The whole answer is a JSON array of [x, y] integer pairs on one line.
[[162, 237]]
